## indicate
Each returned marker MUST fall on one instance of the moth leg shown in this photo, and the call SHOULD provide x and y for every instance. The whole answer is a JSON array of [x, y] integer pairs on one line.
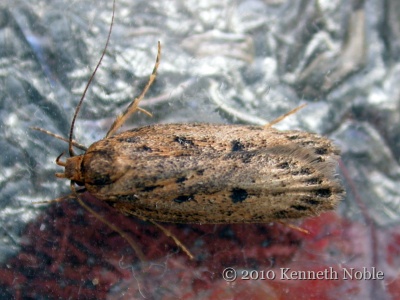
[[70, 196], [164, 230], [63, 198], [75, 195], [134, 106], [291, 226], [74, 143], [277, 120], [125, 236], [176, 240]]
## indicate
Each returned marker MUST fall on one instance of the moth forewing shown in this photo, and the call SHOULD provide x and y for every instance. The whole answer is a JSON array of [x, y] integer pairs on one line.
[[208, 173]]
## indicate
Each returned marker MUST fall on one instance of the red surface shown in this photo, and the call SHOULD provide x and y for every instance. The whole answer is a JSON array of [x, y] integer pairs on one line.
[[69, 254]]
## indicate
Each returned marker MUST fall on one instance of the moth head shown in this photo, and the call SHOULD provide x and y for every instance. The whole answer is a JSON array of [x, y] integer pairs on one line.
[[72, 169]]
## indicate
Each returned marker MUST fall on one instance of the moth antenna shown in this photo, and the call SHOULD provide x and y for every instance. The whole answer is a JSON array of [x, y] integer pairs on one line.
[[277, 120], [126, 237], [78, 107], [74, 143], [134, 106]]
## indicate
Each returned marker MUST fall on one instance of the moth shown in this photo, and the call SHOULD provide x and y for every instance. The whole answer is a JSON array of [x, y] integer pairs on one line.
[[204, 173], [208, 173]]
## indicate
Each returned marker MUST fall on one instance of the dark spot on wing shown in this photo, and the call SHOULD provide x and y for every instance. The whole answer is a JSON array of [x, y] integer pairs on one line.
[[236, 146], [238, 195], [184, 141], [310, 201], [324, 193], [147, 149], [180, 179], [299, 207], [321, 151], [305, 171], [200, 172], [313, 181], [131, 140], [293, 137], [284, 165], [183, 198], [150, 188]]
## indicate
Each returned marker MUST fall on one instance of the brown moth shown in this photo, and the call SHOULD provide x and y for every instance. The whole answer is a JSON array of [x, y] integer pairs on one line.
[[204, 173], [208, 173]]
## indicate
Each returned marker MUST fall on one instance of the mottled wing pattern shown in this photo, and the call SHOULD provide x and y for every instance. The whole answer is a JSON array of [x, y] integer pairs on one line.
[[204, 173]]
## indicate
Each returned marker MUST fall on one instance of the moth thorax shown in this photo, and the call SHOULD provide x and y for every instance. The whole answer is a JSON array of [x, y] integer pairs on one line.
[[73, 169]]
